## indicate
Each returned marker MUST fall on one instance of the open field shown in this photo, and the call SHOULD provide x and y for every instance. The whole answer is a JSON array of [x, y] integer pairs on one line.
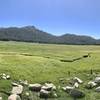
[[42, 62]]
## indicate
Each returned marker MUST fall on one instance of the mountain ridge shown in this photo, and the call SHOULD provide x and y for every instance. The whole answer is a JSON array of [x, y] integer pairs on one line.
[[32, 34]]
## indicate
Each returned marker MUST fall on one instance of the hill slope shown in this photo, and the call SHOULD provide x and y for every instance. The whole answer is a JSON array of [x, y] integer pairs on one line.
[[32, 34]]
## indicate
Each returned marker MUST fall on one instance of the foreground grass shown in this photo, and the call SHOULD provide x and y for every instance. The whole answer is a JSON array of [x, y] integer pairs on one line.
[[41, 63]]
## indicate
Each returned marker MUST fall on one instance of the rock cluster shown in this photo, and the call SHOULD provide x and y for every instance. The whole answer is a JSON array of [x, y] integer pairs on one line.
[[45, 91], [5, 76], [94, 84], [72, 89], [48, 89]]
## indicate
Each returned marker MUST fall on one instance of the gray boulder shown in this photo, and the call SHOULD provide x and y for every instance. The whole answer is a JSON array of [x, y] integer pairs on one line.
[[76, 94]]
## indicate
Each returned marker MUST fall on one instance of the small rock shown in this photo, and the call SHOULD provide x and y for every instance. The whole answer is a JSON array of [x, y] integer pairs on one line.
[[17, 89], [97, 89], [14, 97], [78, 80], [4, 77], [76, 94], [76, 85], [46, 88], [97, 80], [27, 93], [14, 84], [50, 85], [67, 88], [35, 87], [3, 74], [44, 94], [1, 98], [24, 82], [8, 76], [92, 83]]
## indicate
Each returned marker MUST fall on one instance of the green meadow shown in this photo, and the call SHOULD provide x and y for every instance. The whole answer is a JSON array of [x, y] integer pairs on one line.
[[39, 63]]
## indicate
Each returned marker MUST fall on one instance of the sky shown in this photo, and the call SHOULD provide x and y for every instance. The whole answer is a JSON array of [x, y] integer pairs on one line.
[[53, 16]]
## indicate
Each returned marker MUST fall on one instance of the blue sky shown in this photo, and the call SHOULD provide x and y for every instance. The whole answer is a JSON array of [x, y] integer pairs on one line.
[[53, 16]]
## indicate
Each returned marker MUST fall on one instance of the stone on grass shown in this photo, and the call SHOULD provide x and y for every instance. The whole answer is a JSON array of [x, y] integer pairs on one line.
[[1, 98], [27, 93], [97, 80], [92, 83], [8, 77], [78, 80], [68, 88], [17, 89], [50, 85], [46, 88], [76, 94], [97, 89], [44, 93], [14, 84], [3, 74], [76, 85], [35, 87], [14, 97], [25, 82], [4, 77]]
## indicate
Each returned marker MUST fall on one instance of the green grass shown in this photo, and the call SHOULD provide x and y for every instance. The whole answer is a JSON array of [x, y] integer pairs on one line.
[[42, 63]]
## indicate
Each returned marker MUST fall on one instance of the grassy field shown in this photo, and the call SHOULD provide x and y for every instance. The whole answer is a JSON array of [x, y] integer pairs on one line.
[[41, 63]]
